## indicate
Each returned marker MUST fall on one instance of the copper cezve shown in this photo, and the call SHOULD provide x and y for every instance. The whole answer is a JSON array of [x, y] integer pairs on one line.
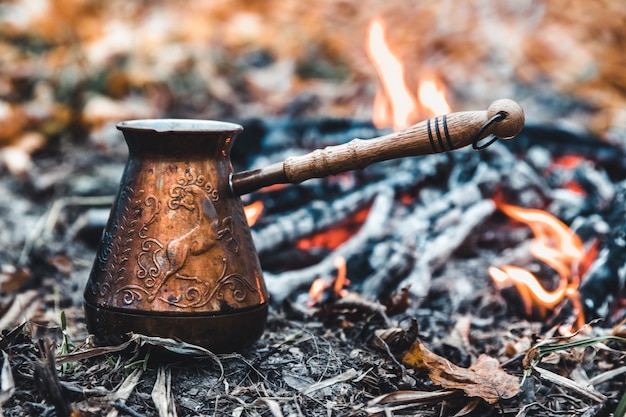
[[176, 258]]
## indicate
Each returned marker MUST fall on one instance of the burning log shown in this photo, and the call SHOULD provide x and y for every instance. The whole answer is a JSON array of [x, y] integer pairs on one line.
[[285, 284], [404, 248], [289, 227], [391, 261], [313, 217], [439, 250], [435, 221]]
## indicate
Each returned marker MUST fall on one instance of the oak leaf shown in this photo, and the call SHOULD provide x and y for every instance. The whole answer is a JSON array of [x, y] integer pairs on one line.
[[484, 379]]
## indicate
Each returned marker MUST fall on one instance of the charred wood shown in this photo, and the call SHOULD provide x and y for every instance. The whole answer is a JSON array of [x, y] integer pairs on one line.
[[289, 227], [316, 216], [412, 245], [436, 251], [560, 141], [391, 261], [598, 186], [606, 279], [283, 285]]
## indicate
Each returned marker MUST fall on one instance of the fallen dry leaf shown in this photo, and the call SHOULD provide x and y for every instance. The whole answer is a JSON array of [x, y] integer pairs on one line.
[[412, 397], [7, 384], [162, 394], [484, 379]]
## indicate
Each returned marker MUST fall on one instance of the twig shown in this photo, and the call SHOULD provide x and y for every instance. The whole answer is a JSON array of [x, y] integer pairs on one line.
[[120, 406], [571, 385], [245, 361], [273, 406], [523, 412], [409, 398], [391, 355], [606, 376], [353, 301], [30, 240], [47, 382], [22, 308], [44, 226], [343, 377]]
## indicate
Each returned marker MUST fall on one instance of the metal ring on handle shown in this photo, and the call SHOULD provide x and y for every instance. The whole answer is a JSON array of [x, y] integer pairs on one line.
[[499, 116]]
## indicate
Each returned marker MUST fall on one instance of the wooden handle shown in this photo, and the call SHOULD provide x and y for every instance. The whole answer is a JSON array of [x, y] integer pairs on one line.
[[504, 119]]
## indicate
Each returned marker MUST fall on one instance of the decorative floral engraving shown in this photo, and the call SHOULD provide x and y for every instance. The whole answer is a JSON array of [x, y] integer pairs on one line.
[[97, 287], [150, 202], [237, 284], [105, 248], [117, 241], [149, 261], [131, 294]]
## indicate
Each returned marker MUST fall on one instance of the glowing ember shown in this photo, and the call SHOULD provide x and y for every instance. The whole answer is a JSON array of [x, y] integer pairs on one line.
[[556, 245], [391, 73], [273, 187], [253, 212], [574, 187], [333, 238], [568, 161]]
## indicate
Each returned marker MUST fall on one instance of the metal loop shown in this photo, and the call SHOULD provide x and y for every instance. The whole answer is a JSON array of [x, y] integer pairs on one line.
[[499, 116]]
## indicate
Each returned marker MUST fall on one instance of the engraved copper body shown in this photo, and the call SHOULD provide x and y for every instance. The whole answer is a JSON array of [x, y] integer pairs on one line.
[[176, 258]]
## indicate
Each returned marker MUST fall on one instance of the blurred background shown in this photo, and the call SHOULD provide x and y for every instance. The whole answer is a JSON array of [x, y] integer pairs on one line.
[[70, 69]]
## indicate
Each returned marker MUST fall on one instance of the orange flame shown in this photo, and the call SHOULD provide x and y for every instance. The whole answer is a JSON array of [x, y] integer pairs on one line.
[[433, 97], [341, 280], [391, 73], [316, 292], [319, 285], [253, 211], [397, 105], [556, 245]]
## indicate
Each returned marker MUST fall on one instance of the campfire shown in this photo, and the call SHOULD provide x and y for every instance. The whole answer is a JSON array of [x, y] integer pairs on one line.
[[555, 244], [461, 283]]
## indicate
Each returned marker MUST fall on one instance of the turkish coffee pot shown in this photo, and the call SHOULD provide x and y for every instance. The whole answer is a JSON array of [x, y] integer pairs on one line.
[[176, 258]]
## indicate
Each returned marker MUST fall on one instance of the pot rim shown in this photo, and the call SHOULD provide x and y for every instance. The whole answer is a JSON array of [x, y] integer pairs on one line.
[[179, 125]]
